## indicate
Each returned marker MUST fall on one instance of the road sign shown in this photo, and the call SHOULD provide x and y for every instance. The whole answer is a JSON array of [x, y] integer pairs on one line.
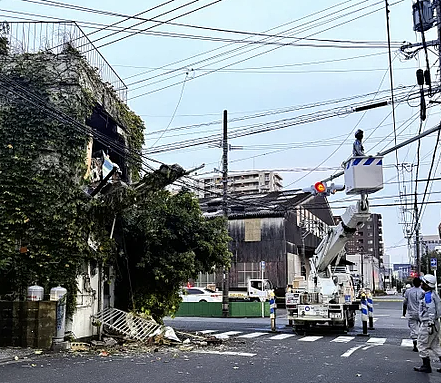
[[262, 265], [433, 263]]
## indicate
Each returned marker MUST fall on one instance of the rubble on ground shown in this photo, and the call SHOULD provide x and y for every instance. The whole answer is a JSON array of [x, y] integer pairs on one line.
[[164, 340]]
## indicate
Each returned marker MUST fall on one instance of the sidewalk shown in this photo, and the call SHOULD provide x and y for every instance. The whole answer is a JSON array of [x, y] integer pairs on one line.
[[388, 298], [8, 354]]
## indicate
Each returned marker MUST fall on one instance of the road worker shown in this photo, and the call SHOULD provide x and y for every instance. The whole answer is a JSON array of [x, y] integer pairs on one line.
[[429, 314], [357, 148], [412, 298]]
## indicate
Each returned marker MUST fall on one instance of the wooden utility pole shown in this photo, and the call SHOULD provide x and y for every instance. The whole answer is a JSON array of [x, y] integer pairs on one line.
[[225, 281]]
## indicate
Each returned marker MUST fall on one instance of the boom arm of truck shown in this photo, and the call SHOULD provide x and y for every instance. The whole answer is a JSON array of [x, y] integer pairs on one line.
[[334, 242]]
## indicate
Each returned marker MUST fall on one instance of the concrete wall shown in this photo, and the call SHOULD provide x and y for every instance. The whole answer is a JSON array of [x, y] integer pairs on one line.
[[27, 324]]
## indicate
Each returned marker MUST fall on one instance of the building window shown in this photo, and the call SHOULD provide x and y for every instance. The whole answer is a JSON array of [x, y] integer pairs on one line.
[[246, 271], [205, 279]]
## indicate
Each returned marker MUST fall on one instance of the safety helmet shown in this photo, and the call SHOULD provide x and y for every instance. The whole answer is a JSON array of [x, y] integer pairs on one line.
[[429, 280], [358, 133], [408, 286]]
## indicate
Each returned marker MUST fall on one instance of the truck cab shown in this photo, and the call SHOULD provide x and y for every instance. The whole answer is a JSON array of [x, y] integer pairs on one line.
[[256, 290]]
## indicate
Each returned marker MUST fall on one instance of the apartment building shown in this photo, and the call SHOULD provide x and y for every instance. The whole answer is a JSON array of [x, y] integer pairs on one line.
[[249, 182]]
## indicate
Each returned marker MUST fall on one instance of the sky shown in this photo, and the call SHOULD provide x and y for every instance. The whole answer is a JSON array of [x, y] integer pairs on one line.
[[296, 69]]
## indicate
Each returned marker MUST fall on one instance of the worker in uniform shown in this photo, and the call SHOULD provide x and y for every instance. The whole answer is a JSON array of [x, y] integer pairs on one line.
[[357, 148], [411, 302], [429, 313]]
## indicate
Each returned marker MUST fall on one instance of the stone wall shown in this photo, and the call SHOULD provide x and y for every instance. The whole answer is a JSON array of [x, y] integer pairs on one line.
[[27, 324]]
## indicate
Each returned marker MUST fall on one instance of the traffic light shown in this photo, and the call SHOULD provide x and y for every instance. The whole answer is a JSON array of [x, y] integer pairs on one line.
[[323, 189], [320, 187]]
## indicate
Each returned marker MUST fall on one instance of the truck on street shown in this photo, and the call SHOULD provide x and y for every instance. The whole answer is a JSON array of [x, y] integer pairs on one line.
[[327, 296]]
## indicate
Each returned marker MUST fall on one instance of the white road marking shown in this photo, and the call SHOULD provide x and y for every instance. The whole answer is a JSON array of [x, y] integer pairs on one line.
[[252, 335], [310, 338], [407, 343], [227, 334], [371, 345], [232, 353], [282, 336], [350, 351], [205, 331], [377, 340], [343, 339]]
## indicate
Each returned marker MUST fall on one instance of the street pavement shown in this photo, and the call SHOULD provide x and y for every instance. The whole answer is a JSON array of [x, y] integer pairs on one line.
[[251, 353]]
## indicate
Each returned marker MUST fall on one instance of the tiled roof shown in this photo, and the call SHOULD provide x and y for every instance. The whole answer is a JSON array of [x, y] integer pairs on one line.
[[260, 204]]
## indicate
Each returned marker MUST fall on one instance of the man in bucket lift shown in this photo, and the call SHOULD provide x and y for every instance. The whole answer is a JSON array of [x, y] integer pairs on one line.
[[357, 148]]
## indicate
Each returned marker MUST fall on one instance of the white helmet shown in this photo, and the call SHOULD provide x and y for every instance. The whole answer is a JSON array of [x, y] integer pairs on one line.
[[429, 280], [408, 286]]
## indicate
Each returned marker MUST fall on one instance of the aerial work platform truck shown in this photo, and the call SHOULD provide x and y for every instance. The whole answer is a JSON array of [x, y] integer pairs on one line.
[[326, 297]]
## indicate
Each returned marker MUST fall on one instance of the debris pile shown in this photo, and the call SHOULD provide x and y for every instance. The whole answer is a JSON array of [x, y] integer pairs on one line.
[[165, 337]]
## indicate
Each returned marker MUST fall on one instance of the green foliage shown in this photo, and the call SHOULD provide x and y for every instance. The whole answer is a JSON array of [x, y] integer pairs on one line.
[[425, 263], [46, 218], [168, 241], [4, 45], [43, 208]]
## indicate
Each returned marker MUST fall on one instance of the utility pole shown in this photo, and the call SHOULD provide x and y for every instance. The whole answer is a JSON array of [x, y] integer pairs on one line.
[[438, 21], [303, 235], [417, 245], [226, 276]]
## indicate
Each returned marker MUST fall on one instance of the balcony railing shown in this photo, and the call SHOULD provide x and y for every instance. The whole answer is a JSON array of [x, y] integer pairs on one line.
[[35, 37]]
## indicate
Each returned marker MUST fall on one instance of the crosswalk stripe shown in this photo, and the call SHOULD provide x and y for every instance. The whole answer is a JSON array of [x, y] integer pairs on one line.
[[339, 339], [227, 334], [343, 339], [407, 343], [282, 336], [232, 353], [205, 331], [252, 335], [377, 340], [310, 338]]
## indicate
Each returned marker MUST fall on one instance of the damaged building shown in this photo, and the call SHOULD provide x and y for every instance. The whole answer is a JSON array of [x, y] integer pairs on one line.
[[80, 78]]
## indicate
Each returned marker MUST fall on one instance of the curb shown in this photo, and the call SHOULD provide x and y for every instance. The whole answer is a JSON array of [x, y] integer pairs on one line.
[[8, 355]]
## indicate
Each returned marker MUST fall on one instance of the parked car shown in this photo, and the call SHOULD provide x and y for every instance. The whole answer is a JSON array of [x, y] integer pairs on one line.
[[199, 294], [392, 291]]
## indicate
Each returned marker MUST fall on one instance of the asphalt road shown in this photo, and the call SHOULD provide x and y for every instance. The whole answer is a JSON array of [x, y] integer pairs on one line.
[[251, 354]]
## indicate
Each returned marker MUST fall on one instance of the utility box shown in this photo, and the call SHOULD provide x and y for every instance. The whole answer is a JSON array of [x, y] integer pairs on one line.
[[364, 175]]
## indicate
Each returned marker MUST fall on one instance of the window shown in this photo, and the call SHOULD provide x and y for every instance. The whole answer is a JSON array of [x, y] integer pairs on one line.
[[194, 291], [205, 279], [246, 271]]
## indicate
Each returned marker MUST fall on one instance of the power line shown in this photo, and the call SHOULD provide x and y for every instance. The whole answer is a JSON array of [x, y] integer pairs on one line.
[[248, 58], [262, 127], [293, 108]]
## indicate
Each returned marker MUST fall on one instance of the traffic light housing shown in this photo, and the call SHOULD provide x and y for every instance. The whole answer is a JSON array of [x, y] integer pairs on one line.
[[320, 187], [323, 189]]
